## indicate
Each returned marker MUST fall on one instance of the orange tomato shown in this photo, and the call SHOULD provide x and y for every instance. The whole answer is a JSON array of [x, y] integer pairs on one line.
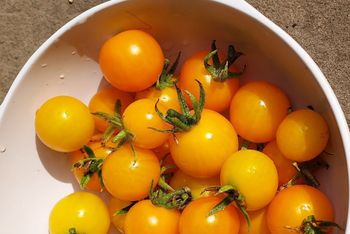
[[167, 97], [257, 109], [292, 205], [258, 223], [138, 117], [302, 135], [118, 220], [218, 94], [131, 60], [194, 219], [285, 168], [197, 185], [253, 174], [146, 218], [201, 151], [104, 101], [128, 175]]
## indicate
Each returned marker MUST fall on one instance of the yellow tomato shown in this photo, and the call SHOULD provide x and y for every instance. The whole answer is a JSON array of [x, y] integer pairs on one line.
[[64, 124], [84, 212], [253, 174], [118, 220], [197, 185], [258, 223], [138, 117], [302, 135], [201, 151], [257, 109], [104, 101], [284, 166], [167, 97]]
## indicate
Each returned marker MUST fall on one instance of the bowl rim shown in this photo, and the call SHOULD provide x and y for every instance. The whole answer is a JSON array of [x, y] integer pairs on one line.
[[239, 5]]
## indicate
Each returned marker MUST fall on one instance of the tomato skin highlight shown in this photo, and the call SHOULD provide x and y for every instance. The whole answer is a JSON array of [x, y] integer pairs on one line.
[[302, 135], [194, 219], [131, 60], [218, 94], [146, 218], [215, 139], [167, 97], [197, 185], [284, 166], [83, 211], [64, 124], [253, 174], [257, 109], [104, 101], [117, 220], [128, 177], [292, 205], [138, 117]]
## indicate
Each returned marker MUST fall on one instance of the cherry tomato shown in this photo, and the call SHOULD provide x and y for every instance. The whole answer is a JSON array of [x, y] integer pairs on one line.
[[118, 220], [201, 151], [100, 151], [302, 135], [253, 174], [258, 223], [146, 218], [104, 101], [218, 94], [167, 97], [292, 205], [257, 109], [197, 185], [285, 168], [128, 175], [138, 117], [80, 211], [64, 124], [194, 219], [131, 60]]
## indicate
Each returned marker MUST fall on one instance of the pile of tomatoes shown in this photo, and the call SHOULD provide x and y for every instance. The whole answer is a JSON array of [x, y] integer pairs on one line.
[[194, 153]]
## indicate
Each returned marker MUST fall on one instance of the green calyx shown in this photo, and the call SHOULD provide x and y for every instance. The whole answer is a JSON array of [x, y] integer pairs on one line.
[[166, 78], [184, 121], [176, 199], [125, 209], [91, 165], [232, 195], [304, 171], [312, 226], [115, 123], [220, 70], [72, 231]]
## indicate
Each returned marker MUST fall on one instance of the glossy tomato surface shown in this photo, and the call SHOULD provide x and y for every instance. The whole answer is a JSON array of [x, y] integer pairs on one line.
[[292, 205], [64, 124], [253, 174], [131, 60], [201, 151], [257, 109], [84, 212], [194, 219], [146, 218]]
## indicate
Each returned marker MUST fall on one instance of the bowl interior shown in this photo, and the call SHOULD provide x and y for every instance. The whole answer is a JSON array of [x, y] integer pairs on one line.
[[38, 177]]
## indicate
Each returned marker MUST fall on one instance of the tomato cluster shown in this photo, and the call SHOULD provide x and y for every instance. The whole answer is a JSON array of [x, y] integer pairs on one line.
[[169, 158]]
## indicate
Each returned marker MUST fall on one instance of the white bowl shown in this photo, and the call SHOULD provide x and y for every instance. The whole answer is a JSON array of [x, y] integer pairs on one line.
[[34, 178]]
